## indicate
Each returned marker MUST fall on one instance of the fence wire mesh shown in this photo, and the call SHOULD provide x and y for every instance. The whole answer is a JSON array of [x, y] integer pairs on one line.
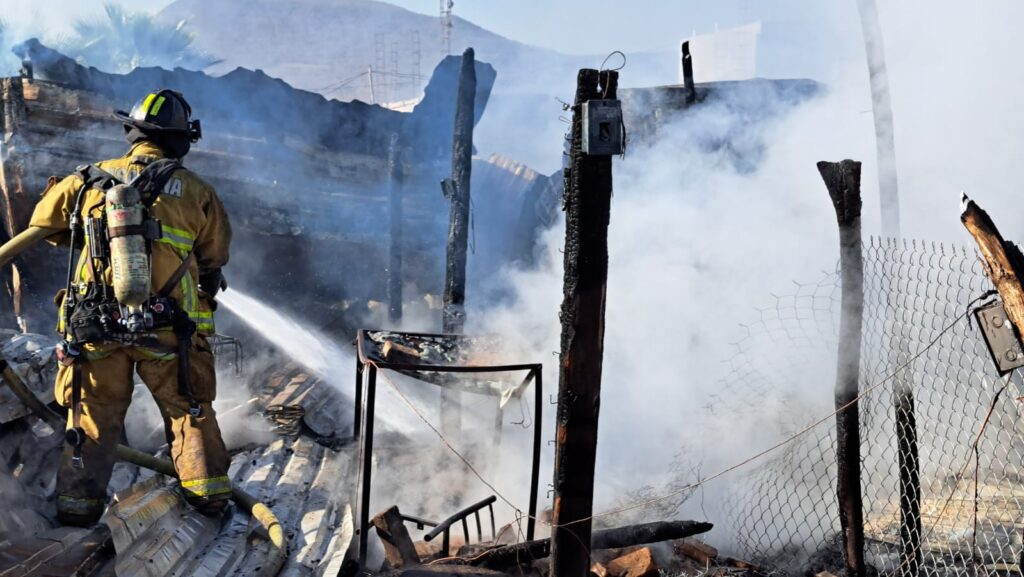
[[782, 513]]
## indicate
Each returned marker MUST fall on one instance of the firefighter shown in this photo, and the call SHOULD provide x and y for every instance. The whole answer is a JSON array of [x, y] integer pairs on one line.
[[164, 340]]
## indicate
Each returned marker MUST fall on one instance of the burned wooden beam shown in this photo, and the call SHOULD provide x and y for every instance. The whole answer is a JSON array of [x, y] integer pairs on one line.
[[587, 203], [1003, 260], [843, 182], [458, 221], [399, 550], [453, 313], [509, 556]]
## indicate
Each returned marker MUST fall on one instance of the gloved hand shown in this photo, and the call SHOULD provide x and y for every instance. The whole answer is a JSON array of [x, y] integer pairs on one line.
[[212, 281]]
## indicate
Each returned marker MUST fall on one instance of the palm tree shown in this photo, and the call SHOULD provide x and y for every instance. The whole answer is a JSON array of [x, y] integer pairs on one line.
[[123, 41]]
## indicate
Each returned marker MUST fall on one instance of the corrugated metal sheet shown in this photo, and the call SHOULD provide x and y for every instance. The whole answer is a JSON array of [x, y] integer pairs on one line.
[[32, 357], [156, 533], [152, 529], [320, 407]]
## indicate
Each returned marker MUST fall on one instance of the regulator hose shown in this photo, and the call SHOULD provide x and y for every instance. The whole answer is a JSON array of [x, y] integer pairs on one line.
[[259, 511]]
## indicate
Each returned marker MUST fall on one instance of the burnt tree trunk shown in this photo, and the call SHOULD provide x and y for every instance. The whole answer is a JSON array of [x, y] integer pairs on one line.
[[454, 314], [395, 218], [843, 182], [587, 202]]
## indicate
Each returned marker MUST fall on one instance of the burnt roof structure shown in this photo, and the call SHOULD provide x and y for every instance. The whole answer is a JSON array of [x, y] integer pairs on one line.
[[303, 177]]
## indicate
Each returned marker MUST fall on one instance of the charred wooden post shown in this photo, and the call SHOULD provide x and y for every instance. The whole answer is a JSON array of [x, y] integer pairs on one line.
[[910, 476], [457, 190], [458, 222], [395, 226], [691, 90], [1003, 261], [587, 204], [843, 182], [1003, 264]]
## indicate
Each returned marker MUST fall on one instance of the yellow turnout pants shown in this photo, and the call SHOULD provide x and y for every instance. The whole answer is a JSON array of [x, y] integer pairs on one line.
[[107, 383]]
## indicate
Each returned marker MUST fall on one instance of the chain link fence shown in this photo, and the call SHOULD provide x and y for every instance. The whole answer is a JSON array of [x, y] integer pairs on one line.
[[939, 386]]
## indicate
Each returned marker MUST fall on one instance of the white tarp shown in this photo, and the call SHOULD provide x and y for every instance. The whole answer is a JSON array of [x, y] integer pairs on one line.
[[724, 54]]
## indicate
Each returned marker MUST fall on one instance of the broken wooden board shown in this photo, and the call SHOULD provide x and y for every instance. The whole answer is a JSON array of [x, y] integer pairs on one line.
[[639, 563], [1003, 260], [696, 550], [399, 550]]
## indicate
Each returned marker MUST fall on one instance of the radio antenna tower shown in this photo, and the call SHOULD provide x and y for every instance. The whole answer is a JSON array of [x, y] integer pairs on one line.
[[446, 27]]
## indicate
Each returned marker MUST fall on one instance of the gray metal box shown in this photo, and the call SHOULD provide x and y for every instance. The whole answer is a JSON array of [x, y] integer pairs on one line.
[[999, 335], [603, 133]]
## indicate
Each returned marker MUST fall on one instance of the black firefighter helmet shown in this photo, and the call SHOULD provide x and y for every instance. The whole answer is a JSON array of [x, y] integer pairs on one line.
[[162, 112]]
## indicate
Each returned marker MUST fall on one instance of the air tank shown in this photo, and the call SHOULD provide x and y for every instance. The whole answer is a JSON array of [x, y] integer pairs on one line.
[[129, 259]]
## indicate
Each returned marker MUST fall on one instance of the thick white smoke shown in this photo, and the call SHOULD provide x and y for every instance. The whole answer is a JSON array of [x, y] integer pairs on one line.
[[695, 247]]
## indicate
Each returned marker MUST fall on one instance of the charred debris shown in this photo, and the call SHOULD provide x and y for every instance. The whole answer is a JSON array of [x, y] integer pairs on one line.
[[351, 187]]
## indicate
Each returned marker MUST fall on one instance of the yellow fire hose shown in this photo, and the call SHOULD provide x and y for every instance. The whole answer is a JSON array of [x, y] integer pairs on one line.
[[258, 511]]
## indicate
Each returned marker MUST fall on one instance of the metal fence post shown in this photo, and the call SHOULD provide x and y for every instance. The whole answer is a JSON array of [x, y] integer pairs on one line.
[[395, 226], [843, 182]]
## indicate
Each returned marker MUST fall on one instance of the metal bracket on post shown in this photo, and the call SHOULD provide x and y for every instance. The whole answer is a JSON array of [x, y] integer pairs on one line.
[[1000, 338], [603, 132]]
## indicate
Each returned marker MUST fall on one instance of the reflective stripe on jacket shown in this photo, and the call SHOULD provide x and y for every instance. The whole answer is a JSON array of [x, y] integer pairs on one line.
[[192, 217]]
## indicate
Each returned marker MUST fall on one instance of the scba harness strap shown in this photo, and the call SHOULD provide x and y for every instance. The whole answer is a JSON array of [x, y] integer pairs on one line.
[[150, 183]]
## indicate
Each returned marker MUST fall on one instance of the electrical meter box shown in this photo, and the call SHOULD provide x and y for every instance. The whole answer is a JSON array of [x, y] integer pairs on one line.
[[603, 132], [1000, 337]]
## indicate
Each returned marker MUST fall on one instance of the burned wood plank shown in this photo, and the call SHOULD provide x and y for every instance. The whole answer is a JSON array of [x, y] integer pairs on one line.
[[639, 563], [399, 353], [1003, 260], [697, 550], [510, 555], [399, 550], [453, 313]]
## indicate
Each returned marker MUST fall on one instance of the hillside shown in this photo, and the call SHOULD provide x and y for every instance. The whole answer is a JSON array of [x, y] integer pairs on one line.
[[328, 46]]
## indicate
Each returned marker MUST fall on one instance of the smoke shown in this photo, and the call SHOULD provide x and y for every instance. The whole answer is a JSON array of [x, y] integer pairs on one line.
[[697, 248], [695, 245]]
